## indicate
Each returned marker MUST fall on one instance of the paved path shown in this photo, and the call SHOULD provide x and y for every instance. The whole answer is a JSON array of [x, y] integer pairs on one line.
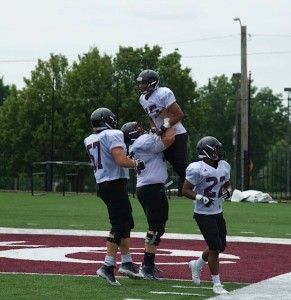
[[276, 288]]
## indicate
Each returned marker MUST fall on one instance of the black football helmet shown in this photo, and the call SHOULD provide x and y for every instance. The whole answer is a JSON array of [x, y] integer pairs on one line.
[[210, 147], [131, 131], [151, 77], [103, 118]]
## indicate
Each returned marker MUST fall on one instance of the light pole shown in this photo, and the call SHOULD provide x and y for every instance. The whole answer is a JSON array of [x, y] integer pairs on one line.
[[236, 77], [51, 155], [288, 139], [244, 109]]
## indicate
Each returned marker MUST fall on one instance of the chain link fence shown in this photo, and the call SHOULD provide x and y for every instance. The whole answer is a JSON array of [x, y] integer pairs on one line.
[[269, 174]]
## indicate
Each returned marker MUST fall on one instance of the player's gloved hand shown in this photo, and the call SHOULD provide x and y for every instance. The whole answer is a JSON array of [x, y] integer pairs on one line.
[[153, 130], [205, 200], [139, 165], [226, 194], [165, 126], [162, 130]]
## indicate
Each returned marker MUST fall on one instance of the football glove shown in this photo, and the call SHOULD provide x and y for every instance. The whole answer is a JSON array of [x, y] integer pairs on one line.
[[226, 194], [205, 200], [162, 130], [153, 130], [139, 165], [165, 126]]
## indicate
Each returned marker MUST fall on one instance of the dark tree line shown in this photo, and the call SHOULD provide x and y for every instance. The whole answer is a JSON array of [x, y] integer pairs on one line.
[[57, 100]]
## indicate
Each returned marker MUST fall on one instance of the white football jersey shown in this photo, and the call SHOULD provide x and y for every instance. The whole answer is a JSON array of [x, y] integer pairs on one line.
[[149, 147], [208, 182], [99, 146], [161, 98]]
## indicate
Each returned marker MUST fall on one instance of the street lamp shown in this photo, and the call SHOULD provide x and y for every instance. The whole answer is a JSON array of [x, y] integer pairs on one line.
[[238, 19], [244, 110], [288, 139]]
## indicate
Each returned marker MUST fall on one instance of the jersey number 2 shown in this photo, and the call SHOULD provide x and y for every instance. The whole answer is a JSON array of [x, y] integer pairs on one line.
[[208, 191]]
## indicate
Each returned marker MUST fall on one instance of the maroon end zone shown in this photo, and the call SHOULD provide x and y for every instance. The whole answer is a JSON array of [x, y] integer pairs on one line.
[[82, 255]]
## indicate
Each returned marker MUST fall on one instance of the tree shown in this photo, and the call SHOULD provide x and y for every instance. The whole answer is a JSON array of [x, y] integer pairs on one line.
[[50, 117], [267, 119], [89, 86], [219, 99], [11, 156], [4, 91], [26, 117], [267, 144]]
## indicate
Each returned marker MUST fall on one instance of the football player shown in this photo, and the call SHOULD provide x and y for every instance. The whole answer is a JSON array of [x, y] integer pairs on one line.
[[107, 152], [207, 183], [154, 99], [150, 187]]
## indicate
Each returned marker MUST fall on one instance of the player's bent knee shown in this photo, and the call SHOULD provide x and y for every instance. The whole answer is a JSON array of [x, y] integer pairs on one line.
[[223, 246], [215, 245], [130, 224]]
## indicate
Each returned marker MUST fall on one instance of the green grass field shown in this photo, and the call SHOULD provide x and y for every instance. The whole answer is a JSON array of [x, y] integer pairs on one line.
[[55, 211], [87, 212]]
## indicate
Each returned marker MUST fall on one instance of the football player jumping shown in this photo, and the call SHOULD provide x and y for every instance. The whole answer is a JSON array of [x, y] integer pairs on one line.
[[154, 99]]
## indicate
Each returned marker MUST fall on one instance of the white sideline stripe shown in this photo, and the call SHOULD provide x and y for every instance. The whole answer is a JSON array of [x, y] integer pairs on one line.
[[175, 293], [191, 287], [278, 288], [177, 236]]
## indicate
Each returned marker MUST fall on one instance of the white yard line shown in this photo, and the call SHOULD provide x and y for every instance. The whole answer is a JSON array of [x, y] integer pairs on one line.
[[177, 236]]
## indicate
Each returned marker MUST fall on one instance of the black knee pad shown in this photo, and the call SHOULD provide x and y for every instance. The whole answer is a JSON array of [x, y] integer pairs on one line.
[[116, 239], [153, 239]]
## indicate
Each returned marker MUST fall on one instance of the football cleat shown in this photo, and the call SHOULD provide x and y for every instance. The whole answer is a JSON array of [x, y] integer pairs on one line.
[[219, 289], [196, 271], [107, 273], [130, 269], [148, 272]]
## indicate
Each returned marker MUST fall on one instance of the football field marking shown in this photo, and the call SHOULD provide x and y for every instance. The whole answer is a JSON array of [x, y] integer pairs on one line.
[[177, 236], [278, 287], [135, 299], [175, 293]]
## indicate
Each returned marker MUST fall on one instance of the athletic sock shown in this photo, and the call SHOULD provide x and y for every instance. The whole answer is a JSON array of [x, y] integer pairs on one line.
[[126, 258], [109, 261], [200, 262], [216, 279]]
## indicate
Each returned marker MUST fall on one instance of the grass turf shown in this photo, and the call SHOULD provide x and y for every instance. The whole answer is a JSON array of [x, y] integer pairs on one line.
[[54, 211], [88, 212]]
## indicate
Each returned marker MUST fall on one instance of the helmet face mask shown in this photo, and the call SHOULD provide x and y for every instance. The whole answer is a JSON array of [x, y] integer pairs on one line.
[[131, 131], [211, 148], [147, 81], [103, 118]]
